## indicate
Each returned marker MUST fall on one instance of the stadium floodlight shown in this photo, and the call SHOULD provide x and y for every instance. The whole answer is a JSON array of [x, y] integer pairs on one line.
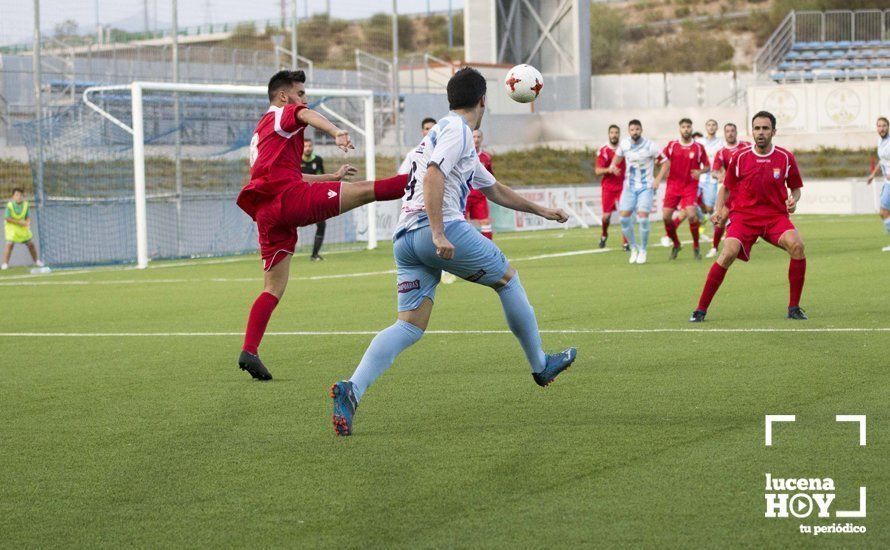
[[138, 91]]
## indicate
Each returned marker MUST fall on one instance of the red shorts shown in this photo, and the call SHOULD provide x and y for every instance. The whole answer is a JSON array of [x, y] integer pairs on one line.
[[296, 206], [746, 231], [684, 196], [477, 206], [611, 196]]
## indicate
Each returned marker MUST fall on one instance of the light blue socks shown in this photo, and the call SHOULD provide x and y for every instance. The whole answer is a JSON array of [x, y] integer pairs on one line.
[[645, 227], [521, 320], [384, 349], [627, 228]]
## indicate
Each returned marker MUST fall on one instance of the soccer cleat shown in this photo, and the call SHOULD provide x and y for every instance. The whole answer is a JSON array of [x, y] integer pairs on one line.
[[698, 316], [252, 364], [697, 253], [675, 251], [555, 364], [344, 407], [641, 257], [712, 253], [602, 242], [626, 247], [633, 255], [666, 241], [315, 258], [796, 313]]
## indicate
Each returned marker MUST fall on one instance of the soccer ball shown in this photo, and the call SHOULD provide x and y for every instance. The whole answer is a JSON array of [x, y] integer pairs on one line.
[[524, 83]]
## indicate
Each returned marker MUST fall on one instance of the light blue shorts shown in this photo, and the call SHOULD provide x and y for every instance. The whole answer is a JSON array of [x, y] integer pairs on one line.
[[635, 200], [885, 196], [476, 259], [708, 192]]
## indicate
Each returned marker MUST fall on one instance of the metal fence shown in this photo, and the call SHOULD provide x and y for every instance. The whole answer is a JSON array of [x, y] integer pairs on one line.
[[822, 26]]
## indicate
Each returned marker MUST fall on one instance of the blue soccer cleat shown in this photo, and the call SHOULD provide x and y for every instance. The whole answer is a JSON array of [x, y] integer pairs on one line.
[[344, 407], [554, 365]]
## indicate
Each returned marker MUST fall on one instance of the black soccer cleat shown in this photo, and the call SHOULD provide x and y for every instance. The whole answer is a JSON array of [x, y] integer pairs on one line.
[[797, 314], [252, 364], [698, 316], [315, 258], [697, 253], [625, 247], [602, 242], [675, 251]]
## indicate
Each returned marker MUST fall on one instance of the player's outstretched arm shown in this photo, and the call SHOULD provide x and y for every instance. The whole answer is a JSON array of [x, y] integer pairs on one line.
[[320, 122], [508, 198]]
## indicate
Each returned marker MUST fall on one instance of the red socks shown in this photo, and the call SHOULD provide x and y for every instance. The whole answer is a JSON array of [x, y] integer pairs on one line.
[[797, 270], [390, 188], [693, 228], [488, 235], [256, 324], [606, 221], [671, 228], [718, 234], [712, 283]]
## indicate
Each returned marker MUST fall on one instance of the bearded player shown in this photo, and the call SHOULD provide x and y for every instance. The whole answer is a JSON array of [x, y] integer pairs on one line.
[[683, 160], [758, 180], [718, 169], [280, 199], [612, 182], [477, 205], [884, 166], [432, 235]]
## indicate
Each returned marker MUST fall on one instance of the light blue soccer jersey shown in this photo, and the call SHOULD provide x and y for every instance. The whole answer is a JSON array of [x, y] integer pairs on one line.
[[884, 157], [449, 145], [640, 157], [712, 146]]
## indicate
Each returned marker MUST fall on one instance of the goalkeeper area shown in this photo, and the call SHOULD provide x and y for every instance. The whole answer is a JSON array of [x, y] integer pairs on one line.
[[150, 171], [126, 421]]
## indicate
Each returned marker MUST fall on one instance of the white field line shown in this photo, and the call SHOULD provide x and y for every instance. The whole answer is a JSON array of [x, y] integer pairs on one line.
[[445, 332], [147, 281]]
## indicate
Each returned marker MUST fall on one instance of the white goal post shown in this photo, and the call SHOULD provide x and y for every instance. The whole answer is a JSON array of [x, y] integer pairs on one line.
[[137, 130]]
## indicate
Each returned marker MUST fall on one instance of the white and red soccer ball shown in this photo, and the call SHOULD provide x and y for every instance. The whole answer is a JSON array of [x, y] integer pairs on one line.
[[524, 83]]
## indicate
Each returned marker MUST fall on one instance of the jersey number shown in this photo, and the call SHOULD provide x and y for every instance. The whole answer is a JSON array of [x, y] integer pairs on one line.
[[412, 182], [254, 148]]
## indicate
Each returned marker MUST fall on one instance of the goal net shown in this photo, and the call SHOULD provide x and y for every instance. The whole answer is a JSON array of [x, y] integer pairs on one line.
[[151, 170]]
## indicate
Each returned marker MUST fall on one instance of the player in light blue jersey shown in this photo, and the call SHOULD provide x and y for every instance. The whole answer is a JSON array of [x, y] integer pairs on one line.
[[884, 166], [707, 182], [432, 235], [640, 155]]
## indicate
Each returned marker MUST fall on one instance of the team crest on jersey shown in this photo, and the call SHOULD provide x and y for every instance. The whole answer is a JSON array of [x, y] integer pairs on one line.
[[692, 154], [776, 173]]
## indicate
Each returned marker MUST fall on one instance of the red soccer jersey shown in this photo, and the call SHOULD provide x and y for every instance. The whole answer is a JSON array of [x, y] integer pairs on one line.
[[684, 159], [276, 152], [757, 183], [604, 160], [475, 194], [722, 157], [485, 159]]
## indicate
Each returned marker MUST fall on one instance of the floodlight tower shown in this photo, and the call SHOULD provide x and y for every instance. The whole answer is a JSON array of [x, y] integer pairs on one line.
[[552, 35]]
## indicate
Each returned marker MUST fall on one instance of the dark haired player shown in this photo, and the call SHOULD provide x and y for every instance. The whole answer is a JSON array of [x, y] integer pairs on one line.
[[280, 199], [683, 160], [757, 180], [612, 182], [432, 235]]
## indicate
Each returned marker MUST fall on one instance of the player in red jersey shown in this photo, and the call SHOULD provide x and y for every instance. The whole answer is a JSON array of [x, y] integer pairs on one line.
[[718, 168], [280, 198], [477, 205], [758, 179], [612, 182], [683, 160]]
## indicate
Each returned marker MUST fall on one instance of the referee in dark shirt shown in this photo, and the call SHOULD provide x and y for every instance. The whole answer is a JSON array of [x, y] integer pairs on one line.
[[314, 164]]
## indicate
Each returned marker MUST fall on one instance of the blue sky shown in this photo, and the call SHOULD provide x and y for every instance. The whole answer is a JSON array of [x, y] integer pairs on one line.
[[17, 16]]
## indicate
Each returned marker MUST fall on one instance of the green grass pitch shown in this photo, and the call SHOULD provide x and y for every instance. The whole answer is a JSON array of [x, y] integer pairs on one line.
[[153, 438]]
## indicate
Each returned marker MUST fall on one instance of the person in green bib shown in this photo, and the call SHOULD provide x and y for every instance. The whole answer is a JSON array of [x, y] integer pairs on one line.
[[18, 227]]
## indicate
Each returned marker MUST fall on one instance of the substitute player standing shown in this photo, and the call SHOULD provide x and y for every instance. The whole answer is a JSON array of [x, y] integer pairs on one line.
[[884, 166], [432, 235], [718, 166], [17, 216], [280, 199], [758, 180], [683, 161], [612, 183], [477, 205], [638, 193]]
